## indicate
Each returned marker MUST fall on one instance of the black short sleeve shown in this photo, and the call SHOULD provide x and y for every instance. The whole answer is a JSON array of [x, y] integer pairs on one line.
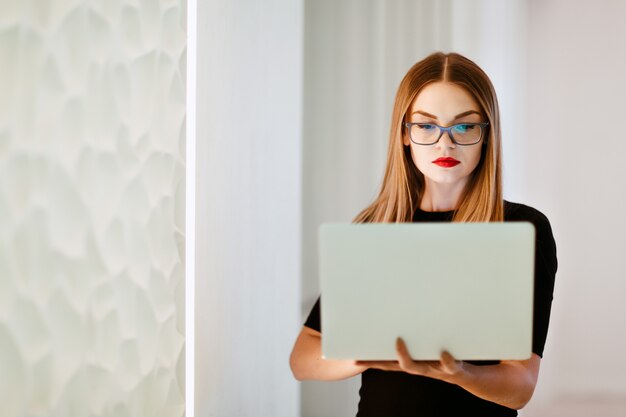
[[545, 269], [314, 319]]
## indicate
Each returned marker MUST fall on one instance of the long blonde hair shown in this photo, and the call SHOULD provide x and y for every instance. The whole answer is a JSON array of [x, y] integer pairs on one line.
[[403, 184]]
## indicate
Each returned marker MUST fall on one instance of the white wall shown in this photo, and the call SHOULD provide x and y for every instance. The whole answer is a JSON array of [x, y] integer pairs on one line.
[[576, 67], [249, 129], [92, 191]]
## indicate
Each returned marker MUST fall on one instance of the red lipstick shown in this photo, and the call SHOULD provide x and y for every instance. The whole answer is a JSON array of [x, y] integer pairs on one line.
[[446, 162]]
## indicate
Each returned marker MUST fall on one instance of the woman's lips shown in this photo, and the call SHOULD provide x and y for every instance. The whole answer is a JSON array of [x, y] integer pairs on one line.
[[446, 162]]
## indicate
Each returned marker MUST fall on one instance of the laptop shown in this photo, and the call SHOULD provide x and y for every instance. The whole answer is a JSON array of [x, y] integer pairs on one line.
[[462, 287]]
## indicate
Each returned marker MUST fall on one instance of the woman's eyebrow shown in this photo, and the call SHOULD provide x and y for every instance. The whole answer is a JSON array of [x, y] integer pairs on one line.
[[432, 116], [466, 113], [458, 116]]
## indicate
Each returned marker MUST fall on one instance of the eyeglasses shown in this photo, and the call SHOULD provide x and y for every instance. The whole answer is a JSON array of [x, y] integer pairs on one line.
[[461, 134]]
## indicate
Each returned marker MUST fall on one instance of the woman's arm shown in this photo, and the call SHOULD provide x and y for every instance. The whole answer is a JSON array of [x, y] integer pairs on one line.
[[510, 383], [307, 363]]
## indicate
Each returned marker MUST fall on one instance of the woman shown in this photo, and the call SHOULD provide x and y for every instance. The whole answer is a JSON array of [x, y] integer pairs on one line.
[[443, 164]]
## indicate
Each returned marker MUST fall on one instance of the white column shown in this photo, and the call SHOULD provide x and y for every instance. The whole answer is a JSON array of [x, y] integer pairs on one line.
[[248, 211]]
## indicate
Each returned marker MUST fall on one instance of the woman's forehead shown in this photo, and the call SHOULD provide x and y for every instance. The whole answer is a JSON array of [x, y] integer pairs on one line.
[[444, 100]]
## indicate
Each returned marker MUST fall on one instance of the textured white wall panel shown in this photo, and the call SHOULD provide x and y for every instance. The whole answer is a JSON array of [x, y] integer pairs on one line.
[[92, 191]]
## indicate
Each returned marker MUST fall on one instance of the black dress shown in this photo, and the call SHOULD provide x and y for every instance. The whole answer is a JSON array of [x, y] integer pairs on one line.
[[398, 394]]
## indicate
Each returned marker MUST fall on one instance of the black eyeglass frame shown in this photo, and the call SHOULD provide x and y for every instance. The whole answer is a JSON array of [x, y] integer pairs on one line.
[[448, 129]]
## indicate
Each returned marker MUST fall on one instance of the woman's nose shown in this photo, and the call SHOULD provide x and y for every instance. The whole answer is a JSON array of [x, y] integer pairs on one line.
[[445, 141]]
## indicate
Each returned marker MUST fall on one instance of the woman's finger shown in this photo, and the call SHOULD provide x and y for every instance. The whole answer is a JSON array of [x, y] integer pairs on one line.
[[404, 357], [407, 363], [449, 364]]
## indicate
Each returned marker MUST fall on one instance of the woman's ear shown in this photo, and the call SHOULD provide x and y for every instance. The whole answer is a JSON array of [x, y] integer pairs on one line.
[[405, 138]]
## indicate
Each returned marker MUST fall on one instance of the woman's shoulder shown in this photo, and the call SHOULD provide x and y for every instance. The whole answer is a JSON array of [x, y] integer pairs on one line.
[[522, 212]]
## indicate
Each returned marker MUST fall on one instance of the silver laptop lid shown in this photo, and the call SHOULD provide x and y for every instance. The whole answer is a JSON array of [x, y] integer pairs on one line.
[[463, 287]]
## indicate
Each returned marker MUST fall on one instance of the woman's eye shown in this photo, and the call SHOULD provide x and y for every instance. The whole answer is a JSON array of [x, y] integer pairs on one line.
[[425, 126], [463, 128]]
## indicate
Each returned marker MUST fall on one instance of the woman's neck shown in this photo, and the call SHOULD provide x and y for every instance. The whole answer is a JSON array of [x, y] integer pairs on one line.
[[441, 197]]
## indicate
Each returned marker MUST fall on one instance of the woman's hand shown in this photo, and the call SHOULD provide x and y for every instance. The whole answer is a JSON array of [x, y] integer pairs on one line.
[[510, 383], [443, 369]]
